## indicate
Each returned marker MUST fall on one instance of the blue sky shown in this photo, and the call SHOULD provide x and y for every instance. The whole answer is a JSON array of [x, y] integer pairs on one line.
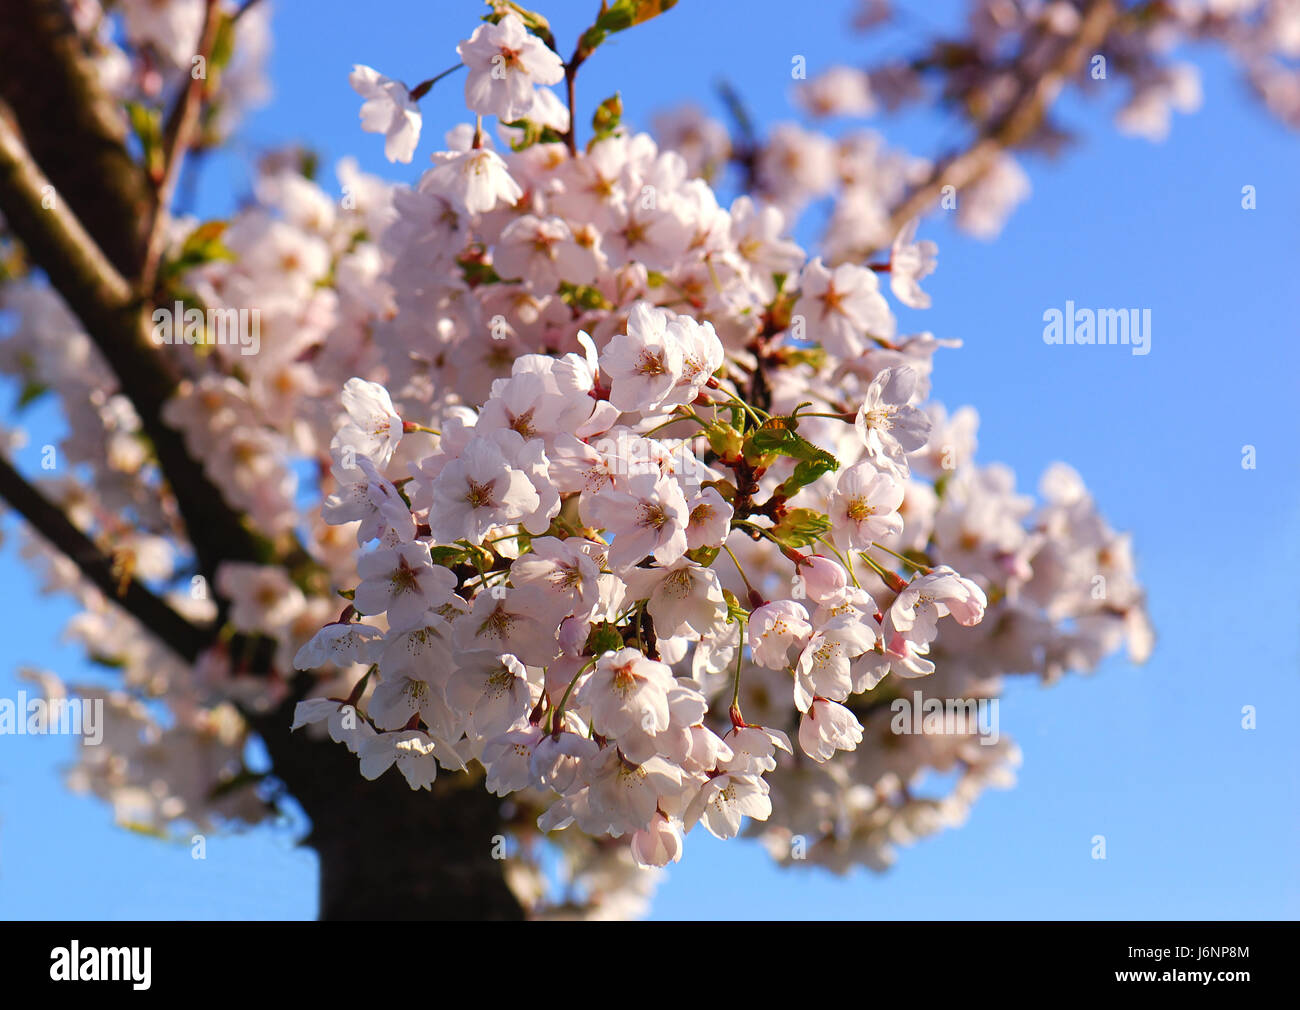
[[1200, 815]]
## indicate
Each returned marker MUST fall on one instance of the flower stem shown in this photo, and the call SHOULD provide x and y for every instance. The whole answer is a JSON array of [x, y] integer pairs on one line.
[[422, 89], [743, 577], [740, 655], [923, 569], [557, 716], [848, 565]]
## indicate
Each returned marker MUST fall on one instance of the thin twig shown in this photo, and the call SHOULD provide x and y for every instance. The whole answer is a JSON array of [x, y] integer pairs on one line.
[[177, 137]]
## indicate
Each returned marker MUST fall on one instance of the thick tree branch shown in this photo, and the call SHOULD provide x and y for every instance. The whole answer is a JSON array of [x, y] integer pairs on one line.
[[74, 130], [47, 519], [103, 301]]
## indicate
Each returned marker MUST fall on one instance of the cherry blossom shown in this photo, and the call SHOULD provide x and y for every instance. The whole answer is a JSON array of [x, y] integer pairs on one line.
[[627, 690], [909, 262], [864, 506], [889, 426], [645, 363], [774, 628], [388, 109], [477, 180], [915, 612], [505, 62], [402, 582], [374, 427], [479, 491], [842, 308], [827, 727], [725, 799], [681, 597], [649, 518], [493, 690]]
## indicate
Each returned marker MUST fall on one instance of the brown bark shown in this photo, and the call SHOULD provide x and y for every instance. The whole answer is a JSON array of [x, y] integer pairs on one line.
[[386, 852], [74, 130]]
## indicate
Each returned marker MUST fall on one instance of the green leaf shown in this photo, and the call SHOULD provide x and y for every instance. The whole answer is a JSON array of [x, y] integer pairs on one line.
[[534, 133], [477, 272], [703, 556], [813, 356], [446, 556], [140, 828], [144, 121], [146, 124], [202, 245], [308, 164], [31, 392], [622, 15], [583, 296], [640, 11], [778, 435], [801, 527], [805, 472], [724, 440], [223, 46], [236, 782]]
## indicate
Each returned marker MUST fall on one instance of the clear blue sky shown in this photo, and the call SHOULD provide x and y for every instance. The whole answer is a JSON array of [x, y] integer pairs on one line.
[[1200, 815]]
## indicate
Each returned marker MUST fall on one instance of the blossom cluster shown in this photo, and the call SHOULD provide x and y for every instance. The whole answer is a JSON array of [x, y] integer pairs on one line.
[[650, 453], [637, 509]]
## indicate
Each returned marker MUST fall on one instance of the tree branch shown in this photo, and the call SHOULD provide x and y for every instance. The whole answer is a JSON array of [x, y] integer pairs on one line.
[[75, 130], [177, 137], [103, 301], [1016, 124], [185, 639]]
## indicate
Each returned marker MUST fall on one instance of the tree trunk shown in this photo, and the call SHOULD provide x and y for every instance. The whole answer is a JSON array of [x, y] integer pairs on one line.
[[388, 852]]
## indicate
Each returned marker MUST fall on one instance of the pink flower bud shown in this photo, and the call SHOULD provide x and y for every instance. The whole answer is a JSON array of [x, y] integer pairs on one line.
[[823, 578]]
